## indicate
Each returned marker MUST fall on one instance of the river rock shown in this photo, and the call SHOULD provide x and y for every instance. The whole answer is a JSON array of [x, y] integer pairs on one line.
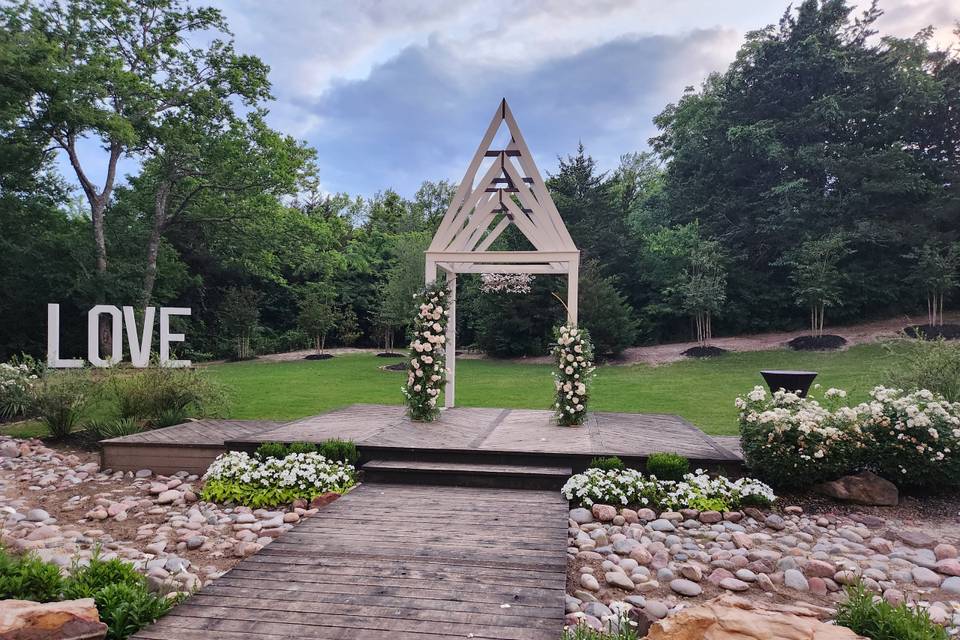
[[53, 620], [862, 488]]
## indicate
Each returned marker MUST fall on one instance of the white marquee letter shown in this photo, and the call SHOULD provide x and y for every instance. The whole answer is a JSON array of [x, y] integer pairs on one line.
[[53, 341], [166, 337], [139, 347], [93, 331]]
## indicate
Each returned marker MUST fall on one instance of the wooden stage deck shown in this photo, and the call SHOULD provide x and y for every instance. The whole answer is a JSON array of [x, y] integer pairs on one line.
[[396, 563], [461, 434], [477, 432]]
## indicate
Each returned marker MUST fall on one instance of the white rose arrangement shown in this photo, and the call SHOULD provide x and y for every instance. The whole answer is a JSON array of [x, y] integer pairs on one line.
[[427, 374], [573, 376]]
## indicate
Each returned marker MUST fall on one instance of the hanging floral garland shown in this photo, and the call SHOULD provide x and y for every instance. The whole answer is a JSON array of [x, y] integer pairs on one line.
[[573, 354], [505, 282], [427, 375]]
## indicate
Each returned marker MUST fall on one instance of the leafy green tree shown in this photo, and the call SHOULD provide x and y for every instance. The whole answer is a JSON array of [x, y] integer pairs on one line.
[[114, 72], [816, 276], [703, 288], [935, 269], [605, 312], [239, 315], [403, 281], [318, 317]]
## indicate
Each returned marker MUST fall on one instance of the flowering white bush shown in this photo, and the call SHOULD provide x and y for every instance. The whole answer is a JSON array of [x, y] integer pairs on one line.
[[910, 438], [427, 374], [573, 355], [17, 383], [697, 490], [505, 282], [238, 477]]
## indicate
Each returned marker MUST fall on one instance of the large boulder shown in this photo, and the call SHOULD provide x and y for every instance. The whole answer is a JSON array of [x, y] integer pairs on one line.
[[733, 618], [69, 620], [862, 488]]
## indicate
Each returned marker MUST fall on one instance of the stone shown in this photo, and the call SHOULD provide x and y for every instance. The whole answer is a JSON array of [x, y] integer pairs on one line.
[[733, 584], [37, 515], [729, 617], [323, 499], [646, 515], [951, 585], [581, 515], [818, 569], [51, 621], [9, 449], [691, 572], [603, 512], [619, 579], [168, 496], [775, 522], [915, 538], [662, 525], [710, 517], [686, 587], [742, 540], [589, 582], [925, 577], [655, 609], [944, 551], [950, 567], [794, 579], [862, 488]]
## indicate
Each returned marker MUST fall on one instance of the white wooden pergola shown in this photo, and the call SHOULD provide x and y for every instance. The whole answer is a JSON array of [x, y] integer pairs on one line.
[[510, 191]]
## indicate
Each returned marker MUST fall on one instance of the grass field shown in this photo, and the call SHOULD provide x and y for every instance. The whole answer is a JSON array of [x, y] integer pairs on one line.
[[702, 391]]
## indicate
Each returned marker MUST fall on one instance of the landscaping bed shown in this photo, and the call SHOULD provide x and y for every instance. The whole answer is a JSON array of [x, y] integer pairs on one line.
[[704, 352], [827, 342], [933, 331]]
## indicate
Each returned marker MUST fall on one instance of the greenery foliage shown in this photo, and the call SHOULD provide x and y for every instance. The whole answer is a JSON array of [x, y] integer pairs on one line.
[[334, 449], [120, 593], [60, 400], [624, 629], [611, 463], [667, 466], [162, 396], [926, 364], [104, 429], [877, 619], [17, 382]]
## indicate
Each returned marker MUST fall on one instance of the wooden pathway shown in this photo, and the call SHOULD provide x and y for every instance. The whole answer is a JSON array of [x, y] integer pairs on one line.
[[396, 562]]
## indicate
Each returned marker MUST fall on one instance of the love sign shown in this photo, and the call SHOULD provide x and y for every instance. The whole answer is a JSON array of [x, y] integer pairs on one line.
[[139, 340]]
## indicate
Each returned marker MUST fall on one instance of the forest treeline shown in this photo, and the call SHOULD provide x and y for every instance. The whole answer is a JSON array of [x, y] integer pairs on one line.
[[817, 176]]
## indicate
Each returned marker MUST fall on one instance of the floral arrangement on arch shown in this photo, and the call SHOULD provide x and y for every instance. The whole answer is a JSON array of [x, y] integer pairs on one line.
[[573, 355], [427, 374], [505, 282]]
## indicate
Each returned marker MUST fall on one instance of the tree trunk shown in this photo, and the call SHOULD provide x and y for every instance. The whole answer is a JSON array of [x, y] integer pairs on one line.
[[161, 200]]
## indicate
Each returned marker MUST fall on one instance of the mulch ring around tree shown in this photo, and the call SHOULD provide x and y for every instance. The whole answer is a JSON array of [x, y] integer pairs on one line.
[[932, 332], [399, 366], [704, 352], [318, 356], [390, 354], [827, 342]]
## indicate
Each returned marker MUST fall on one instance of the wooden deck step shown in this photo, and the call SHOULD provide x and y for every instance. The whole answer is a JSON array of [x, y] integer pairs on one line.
[[463, 474]]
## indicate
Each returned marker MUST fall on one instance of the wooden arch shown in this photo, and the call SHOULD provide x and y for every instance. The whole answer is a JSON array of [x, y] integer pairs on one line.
[[511, 191]]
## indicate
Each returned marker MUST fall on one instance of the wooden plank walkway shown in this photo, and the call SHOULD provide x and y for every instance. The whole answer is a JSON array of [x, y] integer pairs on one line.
[[396, 562]]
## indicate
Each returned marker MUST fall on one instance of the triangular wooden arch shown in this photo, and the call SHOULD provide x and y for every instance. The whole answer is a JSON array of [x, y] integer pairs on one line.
[[510, 191]]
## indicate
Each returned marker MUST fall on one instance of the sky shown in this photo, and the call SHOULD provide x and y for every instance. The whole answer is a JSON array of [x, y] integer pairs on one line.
[[394, 92]]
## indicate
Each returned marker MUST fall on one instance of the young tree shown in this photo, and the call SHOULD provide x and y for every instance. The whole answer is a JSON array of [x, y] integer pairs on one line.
[[404, 280], [935, 266], [239, 315], [318, 317], [348, 329], [815, 273], [703, 288], [115, 72]]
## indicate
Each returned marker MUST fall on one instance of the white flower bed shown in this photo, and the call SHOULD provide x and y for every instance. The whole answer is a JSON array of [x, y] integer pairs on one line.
[[697, 490], [239, 477], [427, 375], [910, 438], [17, 383], [574, 360]]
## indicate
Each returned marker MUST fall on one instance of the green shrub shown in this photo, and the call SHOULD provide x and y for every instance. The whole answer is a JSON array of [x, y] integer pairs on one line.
[[302, 447], [339, 451], [126, 608], [105, 429], [668, 466], [926, 364], [86, 581], [18, 380], [878, 620], [60, 400], [277, 450], [164, 396], [613, 463], [29, 578]]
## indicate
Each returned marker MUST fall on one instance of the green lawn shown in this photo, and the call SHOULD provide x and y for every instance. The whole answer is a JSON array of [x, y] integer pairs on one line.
[[701, 391]]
